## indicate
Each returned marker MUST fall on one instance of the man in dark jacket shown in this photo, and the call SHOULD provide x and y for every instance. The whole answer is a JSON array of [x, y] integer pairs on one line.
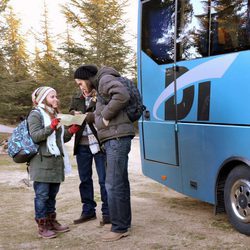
[[115, 131]]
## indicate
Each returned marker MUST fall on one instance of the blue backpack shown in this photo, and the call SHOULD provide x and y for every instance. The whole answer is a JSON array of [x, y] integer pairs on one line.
[[21, 147]]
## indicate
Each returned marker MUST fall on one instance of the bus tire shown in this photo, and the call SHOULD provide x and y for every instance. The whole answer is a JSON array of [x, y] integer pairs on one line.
[[237, 198]]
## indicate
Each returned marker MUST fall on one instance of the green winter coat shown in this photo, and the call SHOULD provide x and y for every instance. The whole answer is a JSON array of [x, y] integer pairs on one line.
[[45, 167]]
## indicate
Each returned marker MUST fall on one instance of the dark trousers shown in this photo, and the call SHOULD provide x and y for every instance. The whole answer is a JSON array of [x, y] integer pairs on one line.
[[84, 159], [117, 183], [45, 198]]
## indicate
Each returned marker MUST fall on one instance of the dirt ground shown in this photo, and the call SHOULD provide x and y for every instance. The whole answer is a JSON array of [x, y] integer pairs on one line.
[[162, 218]]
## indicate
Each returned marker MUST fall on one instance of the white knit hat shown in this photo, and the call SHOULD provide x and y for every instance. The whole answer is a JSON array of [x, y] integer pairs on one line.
[[40, 94]]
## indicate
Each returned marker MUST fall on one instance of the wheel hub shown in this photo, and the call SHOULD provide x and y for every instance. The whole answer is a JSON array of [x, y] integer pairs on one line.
[[240, 199]]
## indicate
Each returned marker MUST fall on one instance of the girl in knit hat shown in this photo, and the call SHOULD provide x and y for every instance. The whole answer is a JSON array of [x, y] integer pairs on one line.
[[47, 168]]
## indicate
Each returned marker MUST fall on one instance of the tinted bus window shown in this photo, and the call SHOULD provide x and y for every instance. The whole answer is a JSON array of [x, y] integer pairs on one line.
[[230, 27], [192, 29], [157, 38], [204, 28]]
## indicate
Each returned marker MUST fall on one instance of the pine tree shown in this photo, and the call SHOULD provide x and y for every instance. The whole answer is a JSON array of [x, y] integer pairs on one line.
[[4, 73], [3, 5], [16, 86], [70, 53], [16, 55], [102, 28], [47, 69]]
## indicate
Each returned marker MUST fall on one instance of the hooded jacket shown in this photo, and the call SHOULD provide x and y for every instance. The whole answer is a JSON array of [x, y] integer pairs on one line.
[[109, 88]]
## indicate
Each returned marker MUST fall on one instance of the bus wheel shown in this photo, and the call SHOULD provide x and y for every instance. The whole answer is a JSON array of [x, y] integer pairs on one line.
[[237, 198]]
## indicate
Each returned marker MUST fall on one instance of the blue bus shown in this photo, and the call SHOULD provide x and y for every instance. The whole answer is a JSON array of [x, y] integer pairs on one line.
[[194, 76]]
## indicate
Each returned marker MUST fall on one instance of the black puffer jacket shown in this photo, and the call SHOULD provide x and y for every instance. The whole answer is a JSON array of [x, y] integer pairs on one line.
[[110, 88]]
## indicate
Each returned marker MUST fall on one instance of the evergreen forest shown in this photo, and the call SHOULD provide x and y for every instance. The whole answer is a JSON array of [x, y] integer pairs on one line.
[[100, 25]]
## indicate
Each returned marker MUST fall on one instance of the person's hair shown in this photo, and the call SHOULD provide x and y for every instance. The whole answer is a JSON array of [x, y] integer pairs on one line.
[[89, 85]]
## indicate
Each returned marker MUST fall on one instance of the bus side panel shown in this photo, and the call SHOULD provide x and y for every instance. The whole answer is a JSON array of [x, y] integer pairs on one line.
[[165, 174], [159, 136], [159, 141], [228, 98], [211, 146]]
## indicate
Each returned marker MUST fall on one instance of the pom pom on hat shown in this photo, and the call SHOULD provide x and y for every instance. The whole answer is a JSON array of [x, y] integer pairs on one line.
[[85, 72]]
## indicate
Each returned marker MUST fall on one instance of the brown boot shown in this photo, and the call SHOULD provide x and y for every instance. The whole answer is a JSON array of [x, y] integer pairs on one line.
[[55, 225], [43, 230], [113, 236]]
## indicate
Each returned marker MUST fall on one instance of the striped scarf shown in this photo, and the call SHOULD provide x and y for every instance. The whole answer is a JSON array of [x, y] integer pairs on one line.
[[93, 143]]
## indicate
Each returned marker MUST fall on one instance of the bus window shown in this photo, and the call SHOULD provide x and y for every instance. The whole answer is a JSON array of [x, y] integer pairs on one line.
[[158, 30], [192, 29], [229, 27]]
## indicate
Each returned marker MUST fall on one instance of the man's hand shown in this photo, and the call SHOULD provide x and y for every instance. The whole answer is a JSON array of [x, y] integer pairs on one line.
[[90, 118]]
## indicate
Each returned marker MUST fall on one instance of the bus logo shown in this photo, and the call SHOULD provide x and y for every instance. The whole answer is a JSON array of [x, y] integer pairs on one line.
[[202, 73]]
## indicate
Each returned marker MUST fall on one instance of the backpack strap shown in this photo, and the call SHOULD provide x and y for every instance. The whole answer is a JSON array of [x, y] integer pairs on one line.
[[103, 99], [39, 150]]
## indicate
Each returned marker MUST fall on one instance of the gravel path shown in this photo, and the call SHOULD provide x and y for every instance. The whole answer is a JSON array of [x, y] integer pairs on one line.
[[6, 129]]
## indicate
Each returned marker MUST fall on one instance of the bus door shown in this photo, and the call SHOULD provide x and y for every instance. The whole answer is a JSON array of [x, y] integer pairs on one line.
[[157, 73], [192, 74]]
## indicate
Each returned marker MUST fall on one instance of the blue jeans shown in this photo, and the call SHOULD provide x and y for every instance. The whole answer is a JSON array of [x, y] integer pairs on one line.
[[84, 159], [45, 198], [117, 183]]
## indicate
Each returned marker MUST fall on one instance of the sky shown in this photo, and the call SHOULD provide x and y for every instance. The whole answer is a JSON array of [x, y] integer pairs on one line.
[[30, 13]]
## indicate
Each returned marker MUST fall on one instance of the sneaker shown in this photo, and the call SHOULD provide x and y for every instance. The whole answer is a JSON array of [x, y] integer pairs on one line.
[[85, 218], [105, 220], [113, 236]]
